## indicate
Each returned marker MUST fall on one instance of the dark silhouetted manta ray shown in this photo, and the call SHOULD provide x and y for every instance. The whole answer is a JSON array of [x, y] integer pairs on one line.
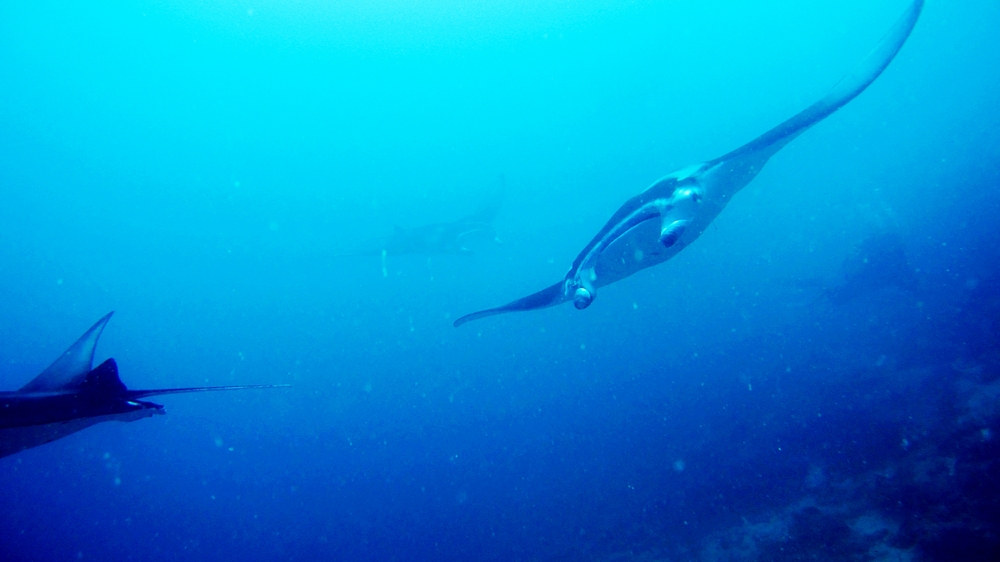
[[655, 225], [70, 395]]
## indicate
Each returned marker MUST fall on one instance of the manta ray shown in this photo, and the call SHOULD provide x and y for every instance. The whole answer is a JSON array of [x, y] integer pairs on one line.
[[70, 395], [460, 236], [877, 263], [658, 223]]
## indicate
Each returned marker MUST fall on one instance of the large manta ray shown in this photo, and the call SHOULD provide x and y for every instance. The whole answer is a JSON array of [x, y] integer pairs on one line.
[[70, 395], [655, 225]]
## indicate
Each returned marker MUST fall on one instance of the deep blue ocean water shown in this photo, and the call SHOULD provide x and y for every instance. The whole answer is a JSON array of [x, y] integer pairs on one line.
[[201, 168]]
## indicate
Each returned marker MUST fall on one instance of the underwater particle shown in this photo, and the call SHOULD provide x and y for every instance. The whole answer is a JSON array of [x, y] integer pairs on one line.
[[583, 346], [635, 306], [218, 441], [59, 281], [986, 434], [118, 481], [905, 444], [679, 465]]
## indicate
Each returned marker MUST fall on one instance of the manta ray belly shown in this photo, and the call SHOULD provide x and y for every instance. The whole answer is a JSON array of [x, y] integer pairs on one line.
[[644, 247], [633, 253], [652, 242]]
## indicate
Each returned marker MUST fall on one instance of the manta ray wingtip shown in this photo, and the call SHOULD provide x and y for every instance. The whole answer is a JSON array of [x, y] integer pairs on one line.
[[549, 296], [474, 316]]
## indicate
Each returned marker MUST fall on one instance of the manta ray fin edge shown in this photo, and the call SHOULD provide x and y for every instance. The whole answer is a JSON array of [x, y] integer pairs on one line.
[[549, 296], [845, 90], [73, 366]]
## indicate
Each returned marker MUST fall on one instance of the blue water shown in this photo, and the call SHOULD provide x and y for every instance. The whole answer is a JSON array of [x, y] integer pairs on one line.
[[200, 167]]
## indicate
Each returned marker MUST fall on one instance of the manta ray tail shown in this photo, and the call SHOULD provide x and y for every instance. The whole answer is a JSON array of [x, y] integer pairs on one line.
[[549, 296], [135, 394], [104, 381], [844, 91]]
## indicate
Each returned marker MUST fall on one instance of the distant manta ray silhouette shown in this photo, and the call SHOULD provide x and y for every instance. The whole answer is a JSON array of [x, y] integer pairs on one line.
[[70, 395], [452, 237], [686, 201], [879, 262]]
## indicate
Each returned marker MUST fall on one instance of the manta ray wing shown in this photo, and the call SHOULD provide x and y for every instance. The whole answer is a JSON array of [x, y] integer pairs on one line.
[[73, 365], [848, 88], [549, 296]]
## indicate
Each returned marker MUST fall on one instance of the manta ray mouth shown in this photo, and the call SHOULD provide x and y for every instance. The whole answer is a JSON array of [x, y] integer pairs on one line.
[[148, 408]]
